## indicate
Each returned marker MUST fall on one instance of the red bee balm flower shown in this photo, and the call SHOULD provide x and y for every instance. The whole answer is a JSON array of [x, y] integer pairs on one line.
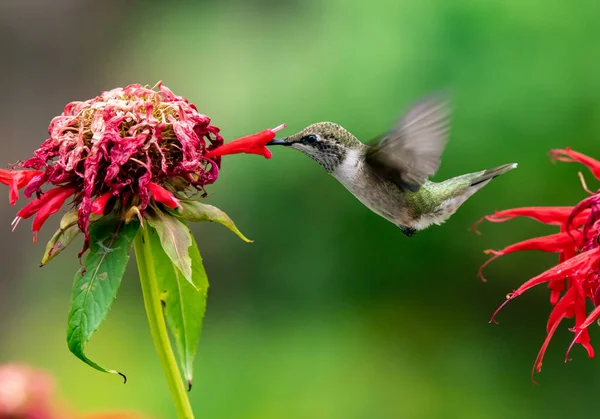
[[138, 144], [133, 162], [576, 277]]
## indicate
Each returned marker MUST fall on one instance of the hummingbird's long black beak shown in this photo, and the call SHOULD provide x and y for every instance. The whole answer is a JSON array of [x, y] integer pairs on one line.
[[279, 141]]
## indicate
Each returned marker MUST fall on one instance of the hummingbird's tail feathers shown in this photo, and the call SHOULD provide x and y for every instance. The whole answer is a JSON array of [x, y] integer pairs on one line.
[[490, 174], [438, 201]]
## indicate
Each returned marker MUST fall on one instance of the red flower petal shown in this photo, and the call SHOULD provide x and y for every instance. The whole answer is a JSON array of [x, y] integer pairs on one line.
[[250, 144], [591, 318], [552, 243], [559, 242], [580, 316], [100, 203], [577, 266], [48, 204], [33, 207], [163, 196], [581, 212], [556, 288], [546, 215], [568, 155], [557, 315], [17, 179]]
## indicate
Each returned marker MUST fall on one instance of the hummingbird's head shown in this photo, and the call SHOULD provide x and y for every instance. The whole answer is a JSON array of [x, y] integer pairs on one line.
[[325, 142]]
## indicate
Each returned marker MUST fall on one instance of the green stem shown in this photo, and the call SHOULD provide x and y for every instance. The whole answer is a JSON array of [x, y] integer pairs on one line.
[[158, 328]]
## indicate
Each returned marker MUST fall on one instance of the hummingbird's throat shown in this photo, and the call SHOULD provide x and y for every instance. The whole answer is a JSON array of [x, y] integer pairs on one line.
[[328, 156]]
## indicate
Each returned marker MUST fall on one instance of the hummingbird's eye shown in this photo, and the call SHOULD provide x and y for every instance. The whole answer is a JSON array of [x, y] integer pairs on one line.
[[310, 139]]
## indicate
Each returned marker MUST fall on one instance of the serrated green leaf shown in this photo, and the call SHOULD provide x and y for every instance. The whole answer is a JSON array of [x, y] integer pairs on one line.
[[196, 211], [184, 304], [176, 239], [95, 289]]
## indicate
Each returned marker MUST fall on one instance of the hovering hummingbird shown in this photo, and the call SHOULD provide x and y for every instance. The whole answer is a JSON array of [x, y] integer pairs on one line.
[[390, 175]]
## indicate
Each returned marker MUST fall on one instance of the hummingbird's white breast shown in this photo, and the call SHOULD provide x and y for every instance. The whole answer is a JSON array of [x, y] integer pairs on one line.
[[380, 196]]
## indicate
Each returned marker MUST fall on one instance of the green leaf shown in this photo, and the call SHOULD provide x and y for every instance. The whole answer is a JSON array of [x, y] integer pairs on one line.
[[64, 235], [184, 304], [96, 286], [176, 239], [196, 211]]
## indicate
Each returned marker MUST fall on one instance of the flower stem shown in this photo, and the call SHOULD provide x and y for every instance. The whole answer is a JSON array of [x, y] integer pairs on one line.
[[158, 328]]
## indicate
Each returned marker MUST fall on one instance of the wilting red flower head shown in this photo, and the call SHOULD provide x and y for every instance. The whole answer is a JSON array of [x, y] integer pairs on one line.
[[122, 151], [576, 278], [117, 145]]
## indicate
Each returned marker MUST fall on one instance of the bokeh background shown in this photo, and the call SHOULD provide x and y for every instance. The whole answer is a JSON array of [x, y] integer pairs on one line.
[[331, 312]]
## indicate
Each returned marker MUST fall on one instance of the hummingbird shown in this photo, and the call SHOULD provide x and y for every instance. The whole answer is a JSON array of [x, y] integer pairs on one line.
[[390, 175]]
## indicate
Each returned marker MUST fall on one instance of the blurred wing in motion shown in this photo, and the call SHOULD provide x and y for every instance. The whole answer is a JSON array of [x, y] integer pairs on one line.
[[411, 151]]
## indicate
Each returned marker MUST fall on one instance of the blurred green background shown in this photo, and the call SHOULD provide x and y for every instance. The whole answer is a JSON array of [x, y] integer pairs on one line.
[[331, 312]]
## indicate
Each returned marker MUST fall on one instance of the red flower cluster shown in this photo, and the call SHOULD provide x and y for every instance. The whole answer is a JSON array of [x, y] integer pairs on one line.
[[576, 277], [124, 150]]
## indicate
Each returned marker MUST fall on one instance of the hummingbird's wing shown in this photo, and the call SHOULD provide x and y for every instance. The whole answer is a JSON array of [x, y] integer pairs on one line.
[[411, 151]]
